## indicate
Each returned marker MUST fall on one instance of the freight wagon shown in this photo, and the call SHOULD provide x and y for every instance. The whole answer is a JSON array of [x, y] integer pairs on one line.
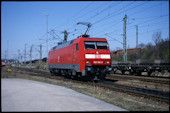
[[88, 58]]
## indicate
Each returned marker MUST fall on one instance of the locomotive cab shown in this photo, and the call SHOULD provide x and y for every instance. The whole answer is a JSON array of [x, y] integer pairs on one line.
[[97, 58], [83, 56]]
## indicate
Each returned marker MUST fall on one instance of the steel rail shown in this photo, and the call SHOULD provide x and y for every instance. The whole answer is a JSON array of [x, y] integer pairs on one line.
[[140, 78], [148, 92]]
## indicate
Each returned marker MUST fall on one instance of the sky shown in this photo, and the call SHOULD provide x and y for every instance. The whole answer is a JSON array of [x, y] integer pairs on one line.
[[25, 23]]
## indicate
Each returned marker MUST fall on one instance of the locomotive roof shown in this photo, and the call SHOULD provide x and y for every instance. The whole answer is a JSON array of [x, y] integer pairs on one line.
[[71, 42], [63, 45]]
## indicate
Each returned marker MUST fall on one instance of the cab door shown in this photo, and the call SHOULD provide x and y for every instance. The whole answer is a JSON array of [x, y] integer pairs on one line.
[[76, 54], [76, 57], [73, 54]]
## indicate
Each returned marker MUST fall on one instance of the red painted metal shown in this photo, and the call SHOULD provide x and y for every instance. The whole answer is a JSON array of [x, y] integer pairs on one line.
[[69, 54]]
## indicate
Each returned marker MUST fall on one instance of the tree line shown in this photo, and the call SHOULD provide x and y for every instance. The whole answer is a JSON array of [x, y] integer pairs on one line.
[[149, 52]]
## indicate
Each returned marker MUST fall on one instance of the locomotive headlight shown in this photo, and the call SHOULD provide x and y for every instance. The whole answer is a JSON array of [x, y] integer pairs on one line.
[[106, 62], [87, 62]]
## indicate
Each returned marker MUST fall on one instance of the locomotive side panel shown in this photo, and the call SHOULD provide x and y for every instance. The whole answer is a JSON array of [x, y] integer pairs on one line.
[[61, 56], [65, 58]]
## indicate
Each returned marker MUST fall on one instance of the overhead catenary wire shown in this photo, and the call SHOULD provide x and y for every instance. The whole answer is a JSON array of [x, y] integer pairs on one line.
[[142, 10], [119, 2], [126, 10], [144, 22], [109, 16], [145, 8], [99, 13], [149, 24], [118, 10], [72, 17], [130, 8], [106, 17]]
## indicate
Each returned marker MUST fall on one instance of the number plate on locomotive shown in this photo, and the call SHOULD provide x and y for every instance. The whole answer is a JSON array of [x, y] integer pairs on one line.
[[98, 62]]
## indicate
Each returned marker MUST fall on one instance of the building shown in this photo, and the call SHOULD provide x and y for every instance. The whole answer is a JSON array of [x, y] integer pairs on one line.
[[120, 52]]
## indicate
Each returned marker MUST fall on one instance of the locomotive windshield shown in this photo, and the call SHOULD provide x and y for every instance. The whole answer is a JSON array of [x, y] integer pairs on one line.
[[95, 45]]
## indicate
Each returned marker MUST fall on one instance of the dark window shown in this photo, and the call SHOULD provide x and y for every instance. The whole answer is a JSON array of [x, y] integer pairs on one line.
[[101, 45], [89, 45], [77, 46], [95, 45]]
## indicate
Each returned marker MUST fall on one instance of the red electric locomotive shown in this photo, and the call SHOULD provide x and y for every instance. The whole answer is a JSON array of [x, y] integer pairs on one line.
[[84, 57], [2, 64]]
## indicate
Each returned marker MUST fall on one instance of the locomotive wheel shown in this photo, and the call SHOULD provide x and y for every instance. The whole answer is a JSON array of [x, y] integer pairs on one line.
[[67, 76], [52, 72], [58, 73], [85, 78], [73, 72], [123, 72], [131, 73], [139, 73], [149, 72], [103, 75]]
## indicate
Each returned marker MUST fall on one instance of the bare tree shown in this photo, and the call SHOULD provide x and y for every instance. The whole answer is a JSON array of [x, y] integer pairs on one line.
[[142, 45], [156, 37]]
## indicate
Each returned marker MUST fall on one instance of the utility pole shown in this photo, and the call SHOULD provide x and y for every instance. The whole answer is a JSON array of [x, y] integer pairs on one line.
[[31, 56], [21, 60], [40, 57], [7, 49], [47, 44], [18, 56], [124, 40], [136, 36], [25, 55], [5, 57]]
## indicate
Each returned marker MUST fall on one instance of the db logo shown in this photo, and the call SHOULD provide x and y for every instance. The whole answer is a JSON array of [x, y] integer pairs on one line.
[[98, 56]]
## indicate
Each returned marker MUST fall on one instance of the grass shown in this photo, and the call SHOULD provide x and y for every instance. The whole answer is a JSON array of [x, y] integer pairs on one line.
[[123, 100]]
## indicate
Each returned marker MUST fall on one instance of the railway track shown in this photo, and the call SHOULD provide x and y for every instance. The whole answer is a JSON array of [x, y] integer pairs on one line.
[[145, 92], [140, 78]]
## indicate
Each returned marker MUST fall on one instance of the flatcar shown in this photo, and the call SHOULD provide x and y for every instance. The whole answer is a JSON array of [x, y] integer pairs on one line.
[[84, 57]]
